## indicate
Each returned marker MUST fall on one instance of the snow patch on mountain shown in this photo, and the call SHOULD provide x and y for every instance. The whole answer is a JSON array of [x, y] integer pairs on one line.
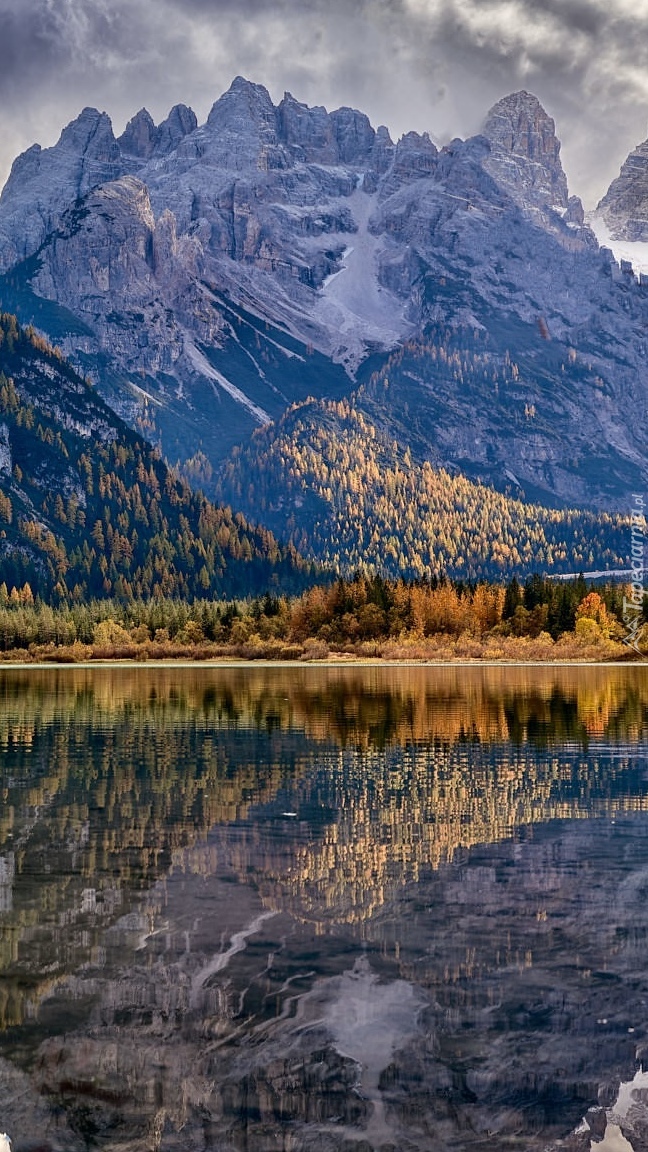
[[635, 251], [286, 244], [352, 302]]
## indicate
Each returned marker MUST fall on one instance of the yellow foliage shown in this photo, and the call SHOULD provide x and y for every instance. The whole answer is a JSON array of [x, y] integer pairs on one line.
[[110, 632]]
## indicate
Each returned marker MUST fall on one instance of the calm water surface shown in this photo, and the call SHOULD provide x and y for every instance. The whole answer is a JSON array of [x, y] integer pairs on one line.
[[333, 910]]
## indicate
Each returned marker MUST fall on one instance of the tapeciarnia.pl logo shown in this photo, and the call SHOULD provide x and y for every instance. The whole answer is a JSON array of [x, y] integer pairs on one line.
[[633, 607]]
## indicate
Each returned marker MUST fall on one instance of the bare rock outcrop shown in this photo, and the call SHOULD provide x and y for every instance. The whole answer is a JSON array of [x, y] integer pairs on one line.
[[44, 182], [625, 204], [525, 152]]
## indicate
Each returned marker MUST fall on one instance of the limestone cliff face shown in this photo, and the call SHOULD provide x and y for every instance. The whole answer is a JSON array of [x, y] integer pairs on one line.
[[44, 182], [114, 249], [217, 273], [5, 468], [625, 204], [525, 152], [143, 139]]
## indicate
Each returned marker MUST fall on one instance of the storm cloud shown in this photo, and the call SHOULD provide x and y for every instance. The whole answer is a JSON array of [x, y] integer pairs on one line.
[[434, 65]]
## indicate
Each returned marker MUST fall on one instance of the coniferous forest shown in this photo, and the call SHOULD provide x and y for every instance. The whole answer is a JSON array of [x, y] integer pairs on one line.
[[89, 509], [366, 617]]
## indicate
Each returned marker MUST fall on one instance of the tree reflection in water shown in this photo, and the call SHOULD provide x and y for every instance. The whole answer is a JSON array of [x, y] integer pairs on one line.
[[474, 834]]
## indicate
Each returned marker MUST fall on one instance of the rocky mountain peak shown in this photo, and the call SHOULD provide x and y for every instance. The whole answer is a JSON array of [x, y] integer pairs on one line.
[[354, 135], [241, 86], [94, 154], [140, 135], [144, 140], [382, 158], [320, 225], [90, 125], [26, 165], [90, 138], [241, 128], [525, 152], [625, 204], [518, 123], [317, 136], [243, 101], [44, 181], [382, 136], [308, 132], [180, 122], [414, 158]]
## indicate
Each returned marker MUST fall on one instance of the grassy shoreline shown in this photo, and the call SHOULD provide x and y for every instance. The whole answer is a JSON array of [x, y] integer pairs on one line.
[[350, 663], [518, 652]]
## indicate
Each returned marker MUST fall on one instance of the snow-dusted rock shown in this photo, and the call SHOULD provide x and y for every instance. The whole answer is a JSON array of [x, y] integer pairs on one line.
[[321, 234], [44, 182], [624, 208], [414, 157], [525, 152]]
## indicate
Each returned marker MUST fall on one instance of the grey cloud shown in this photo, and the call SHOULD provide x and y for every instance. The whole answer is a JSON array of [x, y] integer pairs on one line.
[[25, 45]]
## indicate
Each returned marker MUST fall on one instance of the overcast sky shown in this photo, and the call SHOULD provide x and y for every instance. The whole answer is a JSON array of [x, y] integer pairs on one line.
[[434, 65]]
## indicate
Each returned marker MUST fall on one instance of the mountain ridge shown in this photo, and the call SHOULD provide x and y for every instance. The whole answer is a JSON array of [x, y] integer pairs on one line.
[[228, 270]]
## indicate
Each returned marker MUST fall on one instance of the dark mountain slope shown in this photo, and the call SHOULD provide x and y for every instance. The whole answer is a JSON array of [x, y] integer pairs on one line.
[[89, 508], [509, 406]]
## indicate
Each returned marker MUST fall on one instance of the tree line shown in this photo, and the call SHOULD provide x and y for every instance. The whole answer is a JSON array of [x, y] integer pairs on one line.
[[340, 615]]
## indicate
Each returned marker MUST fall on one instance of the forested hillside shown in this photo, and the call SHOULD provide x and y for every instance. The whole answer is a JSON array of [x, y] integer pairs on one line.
[[346, 493], [89, 508], [506, 403]]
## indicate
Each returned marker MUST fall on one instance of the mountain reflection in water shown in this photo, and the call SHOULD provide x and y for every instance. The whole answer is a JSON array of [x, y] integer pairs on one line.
[[277, 908]]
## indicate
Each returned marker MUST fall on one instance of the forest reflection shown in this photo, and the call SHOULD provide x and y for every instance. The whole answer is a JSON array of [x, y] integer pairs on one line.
[[111, 778], [367, 707]]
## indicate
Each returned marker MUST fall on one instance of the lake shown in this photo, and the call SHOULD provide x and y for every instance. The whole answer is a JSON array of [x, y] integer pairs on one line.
[[327, 909]]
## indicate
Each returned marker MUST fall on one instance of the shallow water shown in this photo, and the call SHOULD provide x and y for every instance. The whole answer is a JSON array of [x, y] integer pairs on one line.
[[325, 909]]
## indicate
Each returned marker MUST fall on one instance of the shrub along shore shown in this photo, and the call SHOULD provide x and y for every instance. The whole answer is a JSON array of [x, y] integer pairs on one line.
[[362, 618]]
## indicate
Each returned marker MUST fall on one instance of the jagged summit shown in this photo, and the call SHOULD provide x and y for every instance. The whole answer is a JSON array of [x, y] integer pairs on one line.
[[219, 273], [138, 138], [241, 129], [519, 123], [44, 182], [180, 122], [249, 89], [87, 142], [88, 125], [624, 207], [243, 99], [315, 135], [525, 151], [308, 132], [141, 137]]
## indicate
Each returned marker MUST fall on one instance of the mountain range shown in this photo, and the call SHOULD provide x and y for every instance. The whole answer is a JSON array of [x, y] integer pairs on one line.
[[211, 279]]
